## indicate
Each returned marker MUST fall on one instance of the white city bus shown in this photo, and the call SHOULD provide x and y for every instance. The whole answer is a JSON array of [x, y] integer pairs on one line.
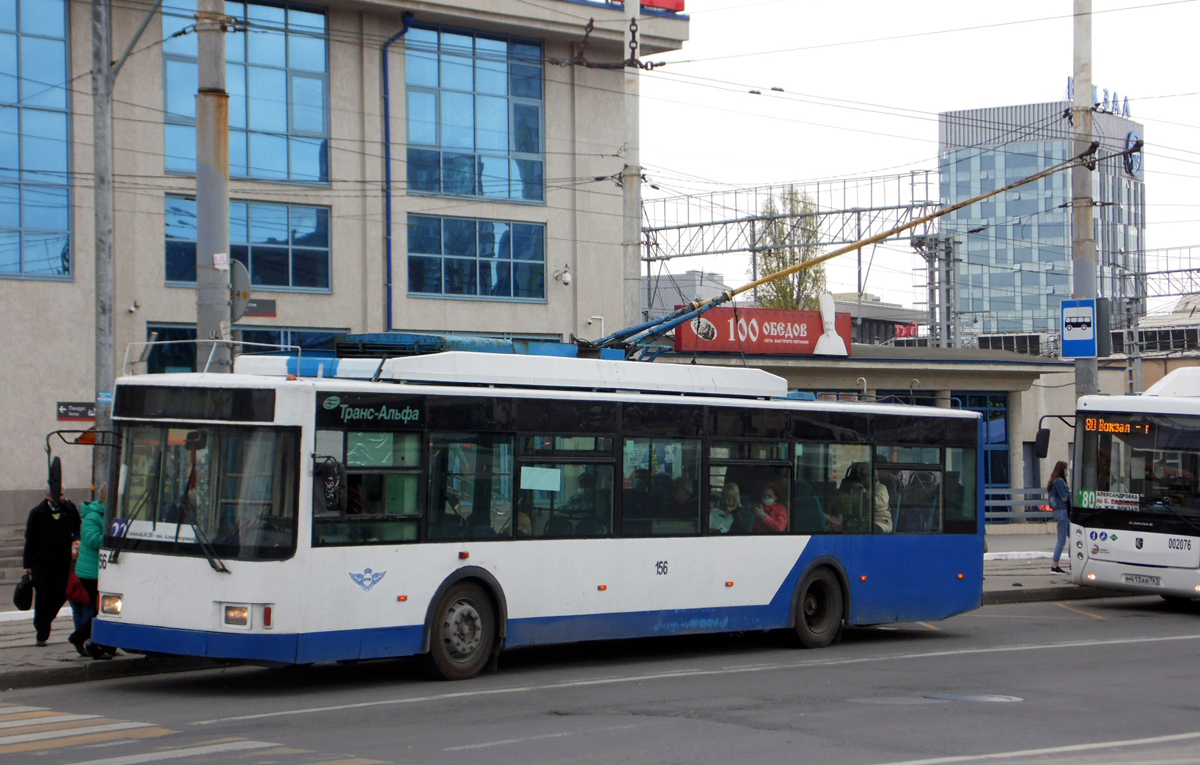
[[1135, 520], [457, 504]]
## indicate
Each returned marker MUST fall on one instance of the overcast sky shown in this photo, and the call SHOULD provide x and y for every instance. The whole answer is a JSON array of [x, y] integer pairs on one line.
[[864, 80]]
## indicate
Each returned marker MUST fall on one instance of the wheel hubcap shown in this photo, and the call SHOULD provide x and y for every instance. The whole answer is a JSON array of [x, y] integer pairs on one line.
[[463, 630], [814, 606]]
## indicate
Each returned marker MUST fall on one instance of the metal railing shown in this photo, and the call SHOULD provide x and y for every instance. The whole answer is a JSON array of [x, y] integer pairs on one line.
[[130, 364], [1008, 505]]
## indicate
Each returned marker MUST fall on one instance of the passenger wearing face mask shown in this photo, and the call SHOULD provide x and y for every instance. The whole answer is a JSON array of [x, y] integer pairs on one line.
[[770, 516]]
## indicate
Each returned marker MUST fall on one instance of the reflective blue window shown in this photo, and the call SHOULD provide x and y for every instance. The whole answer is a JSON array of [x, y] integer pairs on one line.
[[277, 77], [35, 198], [285, 247], [466, 257], [475, 115], [180, 356]]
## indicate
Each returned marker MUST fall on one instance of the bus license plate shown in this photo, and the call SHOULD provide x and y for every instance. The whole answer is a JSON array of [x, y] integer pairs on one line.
[[1153, 581]]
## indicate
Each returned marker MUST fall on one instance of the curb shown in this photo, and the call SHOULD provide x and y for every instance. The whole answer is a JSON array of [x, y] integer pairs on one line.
[[1041, 594], [103, 670]]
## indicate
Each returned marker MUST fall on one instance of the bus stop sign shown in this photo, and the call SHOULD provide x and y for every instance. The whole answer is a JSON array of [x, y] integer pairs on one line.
[[1079, 329]]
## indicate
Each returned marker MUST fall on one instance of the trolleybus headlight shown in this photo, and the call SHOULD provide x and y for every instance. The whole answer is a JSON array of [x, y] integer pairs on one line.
[[110, 605], [1091, 577], [237, 616]]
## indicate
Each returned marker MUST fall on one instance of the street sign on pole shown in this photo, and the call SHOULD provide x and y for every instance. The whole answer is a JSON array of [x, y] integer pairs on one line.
[[1078, 327]]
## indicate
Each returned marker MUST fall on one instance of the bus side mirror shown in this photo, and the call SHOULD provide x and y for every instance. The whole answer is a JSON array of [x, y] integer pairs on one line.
[[1041, 443], [330, 486]]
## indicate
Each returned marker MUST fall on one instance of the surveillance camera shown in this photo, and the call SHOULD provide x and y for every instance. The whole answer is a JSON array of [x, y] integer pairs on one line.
[[566, 277]]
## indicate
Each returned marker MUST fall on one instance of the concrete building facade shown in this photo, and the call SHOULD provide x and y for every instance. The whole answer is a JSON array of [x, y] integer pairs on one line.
[[433, 173]]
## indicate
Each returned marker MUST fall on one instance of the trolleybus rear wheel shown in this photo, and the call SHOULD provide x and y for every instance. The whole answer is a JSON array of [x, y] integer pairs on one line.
[[819, 609], [464, 631]]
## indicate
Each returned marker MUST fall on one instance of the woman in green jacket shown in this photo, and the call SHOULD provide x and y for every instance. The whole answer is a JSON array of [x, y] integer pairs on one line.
[[87, 568]]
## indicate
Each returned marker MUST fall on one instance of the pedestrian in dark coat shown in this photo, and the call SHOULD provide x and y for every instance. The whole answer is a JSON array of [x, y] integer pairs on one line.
[[51, 533]]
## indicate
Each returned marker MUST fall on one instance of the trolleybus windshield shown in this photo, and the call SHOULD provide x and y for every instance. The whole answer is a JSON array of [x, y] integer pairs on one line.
[[194, 489]]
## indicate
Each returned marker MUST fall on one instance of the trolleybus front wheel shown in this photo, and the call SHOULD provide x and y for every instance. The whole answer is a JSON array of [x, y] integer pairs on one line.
[[464, 631], [819, 609]]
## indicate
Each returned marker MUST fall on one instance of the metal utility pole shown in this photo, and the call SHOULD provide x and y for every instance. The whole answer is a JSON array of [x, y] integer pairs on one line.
[[212, 192], [104, 77], [938, 252], [631, 187], [102, 170], [1083, 244]]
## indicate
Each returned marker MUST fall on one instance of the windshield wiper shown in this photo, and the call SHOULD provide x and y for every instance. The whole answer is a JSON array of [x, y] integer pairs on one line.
[[210, 552]]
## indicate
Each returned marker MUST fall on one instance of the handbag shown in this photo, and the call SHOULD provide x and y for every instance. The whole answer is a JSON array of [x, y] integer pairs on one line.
[[76, 592], [23, 594]]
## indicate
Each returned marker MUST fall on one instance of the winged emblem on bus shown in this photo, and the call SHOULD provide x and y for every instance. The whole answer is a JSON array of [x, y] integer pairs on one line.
[[368, 578]]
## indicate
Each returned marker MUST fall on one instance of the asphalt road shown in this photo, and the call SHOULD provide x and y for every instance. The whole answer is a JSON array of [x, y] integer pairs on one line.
[[1100, 681]]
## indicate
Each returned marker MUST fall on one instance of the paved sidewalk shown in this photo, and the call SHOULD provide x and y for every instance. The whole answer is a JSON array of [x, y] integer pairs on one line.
[[1016, 569]]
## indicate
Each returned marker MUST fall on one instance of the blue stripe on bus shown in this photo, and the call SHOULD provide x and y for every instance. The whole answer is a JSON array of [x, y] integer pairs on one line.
[[308, 366], [907, 578]]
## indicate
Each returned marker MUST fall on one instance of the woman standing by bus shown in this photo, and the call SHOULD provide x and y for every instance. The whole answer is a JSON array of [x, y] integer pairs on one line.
[[1060, 500]]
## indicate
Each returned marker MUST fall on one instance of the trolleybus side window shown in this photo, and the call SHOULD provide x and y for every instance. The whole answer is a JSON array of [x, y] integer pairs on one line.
[[913, 477], [470, 486], [750, 476], [960, 492], [660, 495], [813, 489], [382, 488], [566, 487], [856, 500]]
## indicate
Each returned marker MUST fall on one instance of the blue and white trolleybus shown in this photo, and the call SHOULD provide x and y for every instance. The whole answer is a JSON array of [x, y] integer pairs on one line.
[[457, 504]]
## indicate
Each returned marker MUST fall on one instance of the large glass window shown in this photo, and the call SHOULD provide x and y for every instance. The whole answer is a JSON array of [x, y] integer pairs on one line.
[[35, 226], [175, 350], [277, 77], [213, 491], [994, 408], [383, 482], [470, 486], [464, 257], [661, 494], [285, 247], [749, 487], [566, 487], [475, 115]]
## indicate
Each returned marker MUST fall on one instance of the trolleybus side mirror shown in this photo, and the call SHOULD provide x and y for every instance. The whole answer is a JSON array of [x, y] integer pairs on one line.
[[330, 485], [1041, 443]]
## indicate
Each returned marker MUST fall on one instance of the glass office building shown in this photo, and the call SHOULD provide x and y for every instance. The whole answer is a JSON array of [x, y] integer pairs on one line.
[[1014, 250]]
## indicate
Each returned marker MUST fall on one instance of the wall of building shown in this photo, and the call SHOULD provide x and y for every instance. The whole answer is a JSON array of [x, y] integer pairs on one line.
[[50, 337]]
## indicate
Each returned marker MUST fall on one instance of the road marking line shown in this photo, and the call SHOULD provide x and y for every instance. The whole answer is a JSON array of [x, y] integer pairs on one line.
[[59, 743], [929, 626], [83, 730], [689, 673], [352, 761], [15, 710], [56, 723], [174, 754], [1080, 611], [507, 741], [1052, 750], [9, 721]]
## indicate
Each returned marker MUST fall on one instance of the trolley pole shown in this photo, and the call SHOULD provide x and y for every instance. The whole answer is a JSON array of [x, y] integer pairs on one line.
[[1083, 243], [212, 192]]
